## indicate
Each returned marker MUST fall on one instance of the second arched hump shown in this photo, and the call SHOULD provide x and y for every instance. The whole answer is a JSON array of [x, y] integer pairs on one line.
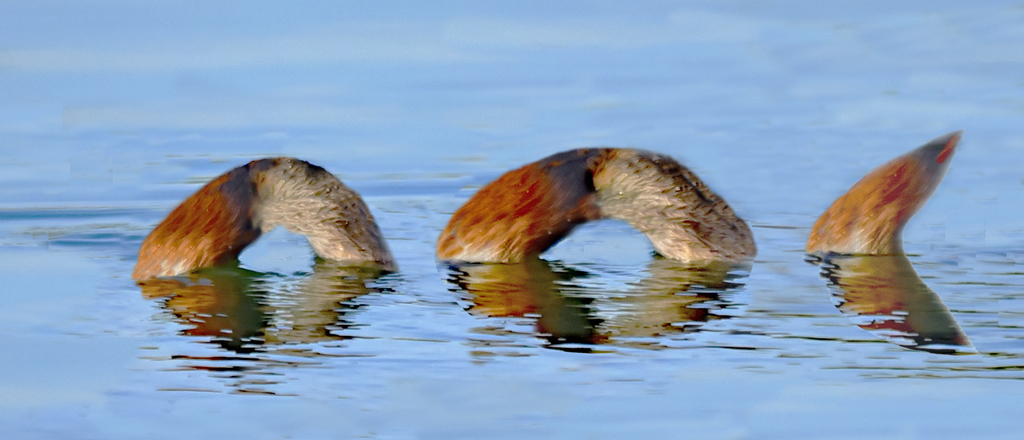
[[527, 210]]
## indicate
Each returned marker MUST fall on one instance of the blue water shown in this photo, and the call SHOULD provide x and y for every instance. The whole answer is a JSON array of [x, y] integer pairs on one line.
[[111, 113]]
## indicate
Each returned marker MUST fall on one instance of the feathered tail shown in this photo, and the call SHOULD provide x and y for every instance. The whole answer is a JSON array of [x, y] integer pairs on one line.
[[869, 219]]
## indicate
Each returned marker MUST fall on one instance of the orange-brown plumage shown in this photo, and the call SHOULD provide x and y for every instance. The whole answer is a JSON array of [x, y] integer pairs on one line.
[[209, 228], [522, 213], [214, 225], [529, 209], [870, 217]]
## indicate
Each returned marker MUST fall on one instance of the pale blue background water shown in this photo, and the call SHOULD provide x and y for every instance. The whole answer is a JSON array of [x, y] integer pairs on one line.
[[112, 112]]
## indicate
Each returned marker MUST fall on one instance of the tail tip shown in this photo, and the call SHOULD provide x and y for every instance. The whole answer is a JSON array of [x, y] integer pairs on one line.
[[949, 142]]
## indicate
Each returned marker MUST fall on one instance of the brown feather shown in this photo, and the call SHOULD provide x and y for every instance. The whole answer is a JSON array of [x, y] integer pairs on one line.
[[527, 210], [870, 217], [214, 225]]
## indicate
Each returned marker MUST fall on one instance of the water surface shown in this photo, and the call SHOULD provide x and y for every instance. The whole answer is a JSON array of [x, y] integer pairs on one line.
[[112, 113]]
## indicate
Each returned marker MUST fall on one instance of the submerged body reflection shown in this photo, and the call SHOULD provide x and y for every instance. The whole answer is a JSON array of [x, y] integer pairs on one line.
[[885, 296], [240, 311], [674, 298]]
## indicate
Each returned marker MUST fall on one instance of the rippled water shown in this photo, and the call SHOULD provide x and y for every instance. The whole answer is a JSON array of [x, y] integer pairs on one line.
[[112, 113]]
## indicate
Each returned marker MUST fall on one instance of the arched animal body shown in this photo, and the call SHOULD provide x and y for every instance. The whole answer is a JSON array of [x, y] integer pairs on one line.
[[529, 209], [214, 225]]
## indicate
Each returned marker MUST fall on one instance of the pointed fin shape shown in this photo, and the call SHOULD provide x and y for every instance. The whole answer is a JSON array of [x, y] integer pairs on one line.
[[869, 219]]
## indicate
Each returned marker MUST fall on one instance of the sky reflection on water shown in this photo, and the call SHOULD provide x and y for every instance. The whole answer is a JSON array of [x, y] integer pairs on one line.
[[111, 113]]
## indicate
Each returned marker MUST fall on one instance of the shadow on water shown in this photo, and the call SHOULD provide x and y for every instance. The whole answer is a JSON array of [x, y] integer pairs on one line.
[[672, 298], [247, 313], [884, 295]]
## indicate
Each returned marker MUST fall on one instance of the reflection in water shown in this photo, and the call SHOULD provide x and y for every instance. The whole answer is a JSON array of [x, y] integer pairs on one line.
[[238, 310], [885, 295], [673, 298]]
